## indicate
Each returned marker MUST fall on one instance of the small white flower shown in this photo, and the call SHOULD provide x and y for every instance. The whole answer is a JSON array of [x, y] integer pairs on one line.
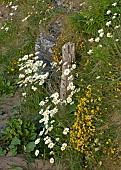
[[48, 141], [66, 130], [90, 52], [51, 160], [91, 19], [36, 53], [108, 23], [36, 152], [57, 139], [109, 35], [55, 95], [100, 45], [25, 57], [101, 34], [77, 74], [41, 133], [44, 65], [108, 12], [117, 26], [114, 17], [66, 72], [100, 31], [100, 163], [21, 76], [82, 4], [34, 88], [52, 121], [97, 39], [37, 141], [42, 103], [11, 14], [65, 63], [7, 28], [31, 55], [51, 153], [64, 144], [117, 40], [24, 94], [25, 148], [62, 148], [97, 77], [51, 145], [69, 100], [73, 66], [91, 40], [41, 111], [70, 78], [36, 58], [114, 4]]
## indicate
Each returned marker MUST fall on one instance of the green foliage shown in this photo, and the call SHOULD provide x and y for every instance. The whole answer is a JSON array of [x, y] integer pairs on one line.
[[19, 135], [93, 17]]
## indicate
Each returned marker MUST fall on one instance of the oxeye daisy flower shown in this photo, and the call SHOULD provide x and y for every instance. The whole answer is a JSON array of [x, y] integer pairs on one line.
[[42, 103], [73, 66], [66, 72], [101, 34], [34, 88], [69, 100], [97, 39], [108, 12], [37, 141], [36, 152], [66, 130], [51, 160], [117, 26], [100, 31], [62, 148], [64, 144], [91, 40], [114, 17], [51, 145], [108, 23], [90, 52], [114, 4], [109, 35]]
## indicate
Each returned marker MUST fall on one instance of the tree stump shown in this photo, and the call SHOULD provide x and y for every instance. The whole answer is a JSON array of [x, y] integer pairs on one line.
[[68, 58]]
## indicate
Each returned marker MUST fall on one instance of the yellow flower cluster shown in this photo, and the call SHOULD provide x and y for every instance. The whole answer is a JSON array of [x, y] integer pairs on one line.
[[82, 132]]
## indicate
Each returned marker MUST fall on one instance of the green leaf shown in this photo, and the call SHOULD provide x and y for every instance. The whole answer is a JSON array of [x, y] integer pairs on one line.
[[11, 146], [13, 151], [2, 152], [33, 136], [16, 141], [30, 146], [72, 108]]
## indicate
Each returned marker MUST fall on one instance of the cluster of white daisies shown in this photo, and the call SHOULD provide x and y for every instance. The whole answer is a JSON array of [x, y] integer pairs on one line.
[[101, 31], [32, 74]]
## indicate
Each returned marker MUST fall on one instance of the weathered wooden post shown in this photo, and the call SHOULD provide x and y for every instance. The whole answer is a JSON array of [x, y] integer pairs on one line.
[[68, 58]]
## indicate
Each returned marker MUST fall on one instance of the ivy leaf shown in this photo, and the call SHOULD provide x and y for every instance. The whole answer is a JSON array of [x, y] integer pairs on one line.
[[15, 141], [30, 146]]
